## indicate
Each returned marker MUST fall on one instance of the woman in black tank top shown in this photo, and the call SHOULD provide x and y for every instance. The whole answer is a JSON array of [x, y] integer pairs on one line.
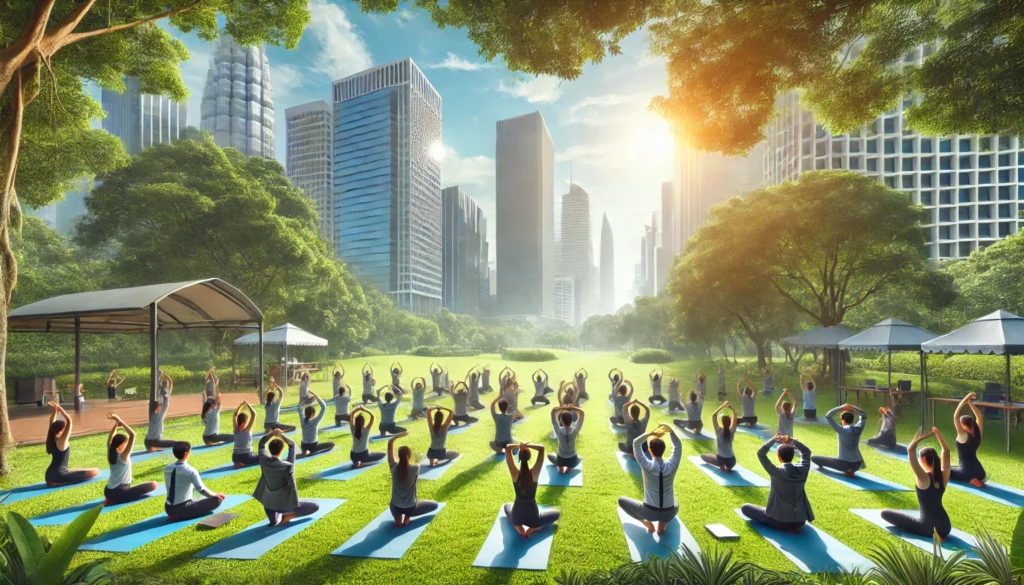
[[931, 471]]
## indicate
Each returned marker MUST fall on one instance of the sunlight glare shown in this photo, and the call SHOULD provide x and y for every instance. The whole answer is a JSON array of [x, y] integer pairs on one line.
[[437, 151]]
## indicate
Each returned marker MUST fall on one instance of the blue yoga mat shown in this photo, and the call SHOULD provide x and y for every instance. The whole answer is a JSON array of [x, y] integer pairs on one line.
[[428, 472], [66, 515], [549, 476], [505, 549], [259, 538], [460, 429], [381, 539], [1002, 494], [760, 431], [27, 492], [521, 421], [812, 550], [899, 453], [864, 482], [738, 477], [146, 531], [627, 463], [616, 428], [141, 455], [955, 542], [643, 544], [225, 470], [345, 471], [689, 436]]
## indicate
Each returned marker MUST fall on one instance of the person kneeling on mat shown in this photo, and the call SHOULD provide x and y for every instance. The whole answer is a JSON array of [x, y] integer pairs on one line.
[[659, 475], [58, 447], [615, 376], [272, 409], [636, 425], [396, 375], [473, 383], [210, 416], [460, 398], [311, 444], [119, 489], [540, 388], [724, 457], [180, 478], [581, 385], [436, 378], [388, 409], [361, 430], [810, 410], [566, 431], [788, 507], [886, 431], [656, 397], [524, 514], [368, 383], [675, 403], [276, 488], [694, 407], [848, 433], [404, 476], [701, 385], [931, 474], [968, 439], [485, 380], [748, 399], [439, 420], [503, 417], [342, 398], [419, 406], [623, 395], [242, 455], [785, 410]]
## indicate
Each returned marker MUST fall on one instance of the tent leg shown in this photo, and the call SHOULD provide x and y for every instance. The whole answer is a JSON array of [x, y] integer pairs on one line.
[[154, 353], [1006, 417], [78, 354], [889, 381], [285, 366], [924, 387], [260, 376]]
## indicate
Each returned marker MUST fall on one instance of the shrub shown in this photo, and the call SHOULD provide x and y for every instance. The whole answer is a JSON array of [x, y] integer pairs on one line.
[[512, 354], [651, 356], [94, 383], [443, 351]]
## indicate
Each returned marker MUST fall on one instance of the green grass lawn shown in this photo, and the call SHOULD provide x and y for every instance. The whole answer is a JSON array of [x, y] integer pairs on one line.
[[588, 535]]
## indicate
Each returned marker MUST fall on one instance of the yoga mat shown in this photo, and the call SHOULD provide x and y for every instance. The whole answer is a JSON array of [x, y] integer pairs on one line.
[[955, 542], [643, 544], [146, 531], [628, 464], [505, 549], [864, 482], [689, 436], [738, 477], [899, 453], [811, 550], [379, 437], [428, 472], [344, 472], [521, 421], [66, 515], [35, 490], [758, 431], [549, 476], [616, 428], [1001, 494], [453, 430], [260, 538], [141, 455], [381, 539]]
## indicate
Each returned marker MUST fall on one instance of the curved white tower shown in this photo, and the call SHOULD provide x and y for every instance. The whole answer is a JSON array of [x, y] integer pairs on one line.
[[238, 102]]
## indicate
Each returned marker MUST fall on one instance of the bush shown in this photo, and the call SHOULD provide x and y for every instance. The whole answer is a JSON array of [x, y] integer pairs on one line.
[[651, 356], [512, 354], [443, 351], [94, 383]]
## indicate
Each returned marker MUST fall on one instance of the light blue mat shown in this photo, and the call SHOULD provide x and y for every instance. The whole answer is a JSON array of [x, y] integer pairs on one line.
[[618, 429], [428, 472], [643, 544], [66, 515], [345, 471], [738, 477], [381, 539], [627, 463], [260, 538], [690, 436], [146, 531], [955, 542], [1002, 494], [899, 453], [141, 455], [549, 476], [521, 421], [505, 549], [35, 490], [460, 429], [760, 431], [812, 550], [864, 482]]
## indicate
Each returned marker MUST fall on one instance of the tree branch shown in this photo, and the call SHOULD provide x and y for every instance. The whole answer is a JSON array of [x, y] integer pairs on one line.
[[70, 21], [75, 37], [11, 58]]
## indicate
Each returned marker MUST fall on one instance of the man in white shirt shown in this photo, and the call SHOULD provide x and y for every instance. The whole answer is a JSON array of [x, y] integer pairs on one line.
[[180, 478], [659, 503]]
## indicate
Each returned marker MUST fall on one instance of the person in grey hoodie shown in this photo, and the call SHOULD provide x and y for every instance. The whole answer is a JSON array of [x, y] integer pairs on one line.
[[276, 489], [848, 432]]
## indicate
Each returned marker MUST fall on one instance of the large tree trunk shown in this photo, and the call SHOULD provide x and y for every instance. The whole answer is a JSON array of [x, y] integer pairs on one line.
[[760, 355]]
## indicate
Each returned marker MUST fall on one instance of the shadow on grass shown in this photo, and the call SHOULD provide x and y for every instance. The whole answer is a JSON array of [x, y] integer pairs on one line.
[[464, 478]]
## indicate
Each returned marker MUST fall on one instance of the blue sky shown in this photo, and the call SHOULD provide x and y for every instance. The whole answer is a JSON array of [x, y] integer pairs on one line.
[[603, 132]]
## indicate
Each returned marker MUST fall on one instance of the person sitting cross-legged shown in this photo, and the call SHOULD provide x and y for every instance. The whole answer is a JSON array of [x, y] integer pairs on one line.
[[788, 507], [659, 504], [276, 488]]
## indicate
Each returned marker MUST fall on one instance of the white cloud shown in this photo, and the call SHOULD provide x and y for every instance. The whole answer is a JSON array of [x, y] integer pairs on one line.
[[286, 80], [456, 63], [608, 109], [343, 51], [404, 16], [475, 170], [540, 89]]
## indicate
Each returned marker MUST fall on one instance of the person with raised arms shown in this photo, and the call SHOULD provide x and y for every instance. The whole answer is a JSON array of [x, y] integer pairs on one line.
[[155, 440], [581, 385], [272, 409], [419, 390], [886, 437], [615, 376], [485, 380], [504, 417], [724, 457], [242, 422], [674, 402], [304, 394], [436, 378], [931, 476], [112, 383], [566, 422], [388, 408], [396, 375], [361, 429], [524, 514], [788, 507], [210, 415], [540, 388], [968, 439], [439, 420], [460, 397], [656, 397], [473, 383], [848, 432], [211, 389], [721, 382], [404, 504], [119, 488], [694, 408], [748, 398], [337, 379], [342, 400], [567, 394], [623, 395], [636, 424], [785, 411], [810, 407], [311, 417], [768, 384], [276, 489], [510, 392], [700, 385], [368, 383], [180, 478], [659, 504]]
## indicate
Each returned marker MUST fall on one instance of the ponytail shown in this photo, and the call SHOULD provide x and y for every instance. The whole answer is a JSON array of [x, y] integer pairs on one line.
[[438, 419], [726, 427], [933, 461], [51, 435], [357, 426], [525, 480], [112, 448], [404, 455]]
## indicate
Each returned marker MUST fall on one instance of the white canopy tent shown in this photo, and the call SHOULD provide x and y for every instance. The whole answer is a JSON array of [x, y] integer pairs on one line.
[[284, 336]]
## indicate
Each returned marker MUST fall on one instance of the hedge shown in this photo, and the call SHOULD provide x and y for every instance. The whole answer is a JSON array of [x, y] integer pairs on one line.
[[651, 356], [94, 383], [528, 355], [981, 368], [443, 351]]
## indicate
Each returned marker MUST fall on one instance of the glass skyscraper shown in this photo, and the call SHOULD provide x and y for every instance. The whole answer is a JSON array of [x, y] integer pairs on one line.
[[141, 120], [308, 159], [387, 182], [465, 272], [238, 103]]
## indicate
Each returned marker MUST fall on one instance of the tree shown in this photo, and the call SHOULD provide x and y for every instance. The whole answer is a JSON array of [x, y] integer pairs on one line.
[[191, 209], [648, 324], [989, 280], [392, 329], [47, 49]]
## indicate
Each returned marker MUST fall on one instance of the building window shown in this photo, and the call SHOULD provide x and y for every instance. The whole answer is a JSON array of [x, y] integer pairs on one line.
[[908, 164], [854, 163], [946, 163], [1005, 229], [965, 249], [946, 180], [873, 164], [985, 144], [890, 146], [964, 213], [964, 196], [908, 181], [945, 233], [965, 231], [965, 162], [1005, 142], [965, 145], [944, 215], [908, 146], [985, 230], [928, 163], [1005, 176], [1005, 160], [946, 197], [926, 181], [890, 165], [873, 147], [984, 193], [946, 145], [854, 146], [926, 145], [985, 161], [837, 162], [819, 164], [1005, 211], [984, 212], [837, 147], [890, 125], [1004, 194], [944, 251], [927, 198], [965, 179], [890, 182]]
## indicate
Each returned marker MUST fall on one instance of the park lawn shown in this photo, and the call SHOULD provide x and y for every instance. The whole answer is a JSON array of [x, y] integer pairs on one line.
[[589, 535]]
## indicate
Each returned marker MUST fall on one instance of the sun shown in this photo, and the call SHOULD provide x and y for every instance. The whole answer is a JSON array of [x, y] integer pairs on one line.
[[654, 137], [437, 151]]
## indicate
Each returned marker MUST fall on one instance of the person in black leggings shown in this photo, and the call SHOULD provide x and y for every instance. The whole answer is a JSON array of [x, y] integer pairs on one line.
[[968, 439], [119, 489], [112, 383], [931, 472], [58, 446], [524, 514]]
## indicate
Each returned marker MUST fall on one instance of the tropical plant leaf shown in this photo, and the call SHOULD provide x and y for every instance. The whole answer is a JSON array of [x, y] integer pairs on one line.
[[58, 558], [993, 566], [26, 539]]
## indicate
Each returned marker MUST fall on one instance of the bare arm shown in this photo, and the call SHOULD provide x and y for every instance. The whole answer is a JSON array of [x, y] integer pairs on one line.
[[391, 450], [920, 474], [510, 462], [961, 432], [539, 461], [945, 455]]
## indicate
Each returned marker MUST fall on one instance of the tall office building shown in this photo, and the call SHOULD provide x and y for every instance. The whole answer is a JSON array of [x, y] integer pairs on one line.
[[565, 299], [607, 268], [666, 252], [971, 186], [577, 250], [387, 182], [238, 102], [525, 202], [464, 244], [141, 120], [308, 159]]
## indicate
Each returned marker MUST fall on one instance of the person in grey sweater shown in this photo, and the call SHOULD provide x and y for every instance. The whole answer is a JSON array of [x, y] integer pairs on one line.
[[276, 488], [788, 507], [311, 417], [404, 505], [848, 432]]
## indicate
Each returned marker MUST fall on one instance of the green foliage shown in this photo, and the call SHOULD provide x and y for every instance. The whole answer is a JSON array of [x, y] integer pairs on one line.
[[559, 339], [94, 383], [393, 329], [651, 356], [982, 368], [28, 559], [443, 351], [602, 332], [990, 278], [512, 354]]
